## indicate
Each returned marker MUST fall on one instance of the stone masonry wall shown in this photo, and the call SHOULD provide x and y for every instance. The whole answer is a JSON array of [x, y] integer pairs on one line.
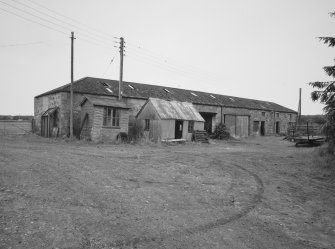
[[100, 133]]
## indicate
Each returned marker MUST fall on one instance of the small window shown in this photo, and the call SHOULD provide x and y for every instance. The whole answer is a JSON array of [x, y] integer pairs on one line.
[[111, 117], [109, 90], [194, 94], [290, 116], [277, 114], [166, 90], [232, 99], [147, 124], [263, 114], [213, 97], [131, 87], [190, 126]]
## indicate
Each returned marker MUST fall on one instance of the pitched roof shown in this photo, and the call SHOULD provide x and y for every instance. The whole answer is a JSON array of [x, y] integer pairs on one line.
[[174, 110], [104, 101], [105, 87]]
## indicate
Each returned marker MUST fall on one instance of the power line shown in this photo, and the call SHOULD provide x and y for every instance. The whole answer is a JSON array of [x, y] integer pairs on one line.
[[22, 44], [59, 20], [110, 63], [51, 22], [74, 20], [27, 19]]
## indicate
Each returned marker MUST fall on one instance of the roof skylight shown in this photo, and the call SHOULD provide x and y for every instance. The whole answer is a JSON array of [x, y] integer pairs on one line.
[[166, 90], [194, 94], [105, 84], [213, 97], [109, 90], [131, 87], [232, 99]]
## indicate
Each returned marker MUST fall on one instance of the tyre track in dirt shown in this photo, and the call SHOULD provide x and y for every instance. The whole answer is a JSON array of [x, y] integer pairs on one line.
[[255, 200]]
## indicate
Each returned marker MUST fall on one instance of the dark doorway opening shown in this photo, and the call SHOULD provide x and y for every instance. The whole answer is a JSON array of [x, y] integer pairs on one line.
[[262, 128], [208, 117], [277, 127], [178, 129], [256, 127], [50, 123]]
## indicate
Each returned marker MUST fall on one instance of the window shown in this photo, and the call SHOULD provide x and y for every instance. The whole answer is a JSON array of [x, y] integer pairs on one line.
[[147, 125], [263, 114], [290, 116], [213, 97], [194, 94], [190, 126], [109, 90], [131, 87], [232, 99], [166, 90], [277, 114], [111, 117]]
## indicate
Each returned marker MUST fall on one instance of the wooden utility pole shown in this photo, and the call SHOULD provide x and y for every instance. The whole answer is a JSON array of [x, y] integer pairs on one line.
[[299, 107], [71, 88], [121, 66]]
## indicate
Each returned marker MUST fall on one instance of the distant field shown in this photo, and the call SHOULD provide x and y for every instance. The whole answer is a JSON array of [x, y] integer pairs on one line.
[[258, 193]]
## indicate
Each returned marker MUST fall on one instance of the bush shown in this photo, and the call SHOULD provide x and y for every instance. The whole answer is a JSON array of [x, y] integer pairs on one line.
[[221, 132]]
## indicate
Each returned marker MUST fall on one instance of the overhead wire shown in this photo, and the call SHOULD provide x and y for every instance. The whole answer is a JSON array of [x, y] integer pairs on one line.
[[149, 56], [74, 20]]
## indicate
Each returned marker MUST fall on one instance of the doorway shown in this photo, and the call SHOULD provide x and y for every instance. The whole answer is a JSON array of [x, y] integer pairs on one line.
[[262, 128], [178, 133], [208, 117], [277, 127]]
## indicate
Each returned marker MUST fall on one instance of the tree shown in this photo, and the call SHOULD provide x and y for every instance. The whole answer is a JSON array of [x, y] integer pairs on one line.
[[325, 93]]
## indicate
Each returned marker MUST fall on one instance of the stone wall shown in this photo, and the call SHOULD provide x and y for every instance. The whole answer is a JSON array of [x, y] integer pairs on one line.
[[101, 133], [42, 104]]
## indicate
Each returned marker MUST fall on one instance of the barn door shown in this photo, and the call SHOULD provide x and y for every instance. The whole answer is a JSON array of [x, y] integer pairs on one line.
[[242, 126]]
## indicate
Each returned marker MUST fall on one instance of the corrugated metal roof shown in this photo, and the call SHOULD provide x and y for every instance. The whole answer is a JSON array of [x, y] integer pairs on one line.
[[176, 110], [105, 101], [94, 86]]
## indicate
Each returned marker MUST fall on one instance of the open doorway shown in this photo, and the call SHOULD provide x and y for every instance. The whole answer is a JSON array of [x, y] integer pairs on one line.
[[178, 129], [277, 127], [208, 117], [262, 128]]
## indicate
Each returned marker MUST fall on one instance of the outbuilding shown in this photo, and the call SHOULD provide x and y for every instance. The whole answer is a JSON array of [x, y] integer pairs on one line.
[[103, 118], [164, 120]]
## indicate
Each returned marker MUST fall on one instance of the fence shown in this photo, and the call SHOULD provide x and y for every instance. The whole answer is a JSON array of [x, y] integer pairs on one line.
[[16, 127], [307, 129]]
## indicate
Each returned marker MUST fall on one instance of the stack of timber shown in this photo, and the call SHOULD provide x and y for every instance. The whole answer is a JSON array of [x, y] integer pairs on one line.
[[200, 136]]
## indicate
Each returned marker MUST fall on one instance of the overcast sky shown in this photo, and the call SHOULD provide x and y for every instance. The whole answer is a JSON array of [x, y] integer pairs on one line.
[[259, 49]]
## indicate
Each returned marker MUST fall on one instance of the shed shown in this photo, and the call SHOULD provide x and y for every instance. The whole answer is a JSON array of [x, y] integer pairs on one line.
[[103, 118], [161, 119]]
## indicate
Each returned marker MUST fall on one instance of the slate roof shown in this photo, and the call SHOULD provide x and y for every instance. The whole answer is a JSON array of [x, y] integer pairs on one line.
[[105, 101], [174, 110], [97, 86]]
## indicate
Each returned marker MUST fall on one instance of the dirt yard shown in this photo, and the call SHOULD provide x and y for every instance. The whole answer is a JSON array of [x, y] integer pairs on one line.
[[256, 193]]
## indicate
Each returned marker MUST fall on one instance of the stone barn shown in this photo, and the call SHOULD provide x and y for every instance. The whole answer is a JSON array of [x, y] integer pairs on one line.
[[244, 117], [160, 119]]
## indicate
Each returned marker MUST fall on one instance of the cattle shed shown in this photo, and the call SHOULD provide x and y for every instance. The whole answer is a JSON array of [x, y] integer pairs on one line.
[[103, 118], [243, 117], [161, 119]]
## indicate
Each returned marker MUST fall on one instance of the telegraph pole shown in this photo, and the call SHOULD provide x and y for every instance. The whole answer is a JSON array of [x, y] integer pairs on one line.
[[299, 107], [71, 88], [121, 66]]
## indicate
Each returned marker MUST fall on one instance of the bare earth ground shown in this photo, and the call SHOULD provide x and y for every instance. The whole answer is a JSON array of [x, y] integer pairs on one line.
[[256, 193]]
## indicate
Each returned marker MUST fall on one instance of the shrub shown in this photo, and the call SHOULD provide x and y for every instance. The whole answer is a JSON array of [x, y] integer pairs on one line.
[[221, 132]]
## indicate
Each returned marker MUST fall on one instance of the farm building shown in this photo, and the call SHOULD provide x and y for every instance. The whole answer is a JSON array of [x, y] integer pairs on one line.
[[103, 118], [169, 119], [243, 117]]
